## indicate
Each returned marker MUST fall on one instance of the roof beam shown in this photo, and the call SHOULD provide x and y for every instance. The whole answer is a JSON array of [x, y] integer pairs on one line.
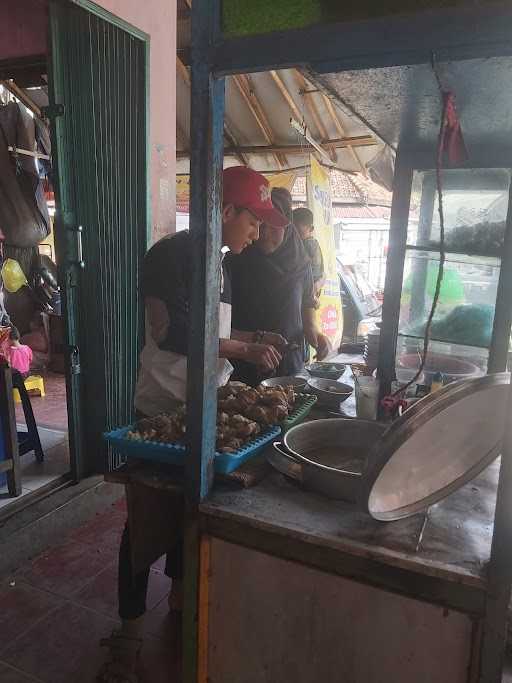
[[11, 86], [228, 131], [311, 105], [339, 143], [284, 92], [245, 88], [341, 132]]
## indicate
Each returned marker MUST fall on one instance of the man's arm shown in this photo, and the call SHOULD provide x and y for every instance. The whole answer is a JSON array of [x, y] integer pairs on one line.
[[265, 356], [313, 336]]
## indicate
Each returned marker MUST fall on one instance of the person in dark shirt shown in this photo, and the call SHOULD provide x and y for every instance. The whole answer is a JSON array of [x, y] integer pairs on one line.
[[166, 283], [272, 289], [303, 221]]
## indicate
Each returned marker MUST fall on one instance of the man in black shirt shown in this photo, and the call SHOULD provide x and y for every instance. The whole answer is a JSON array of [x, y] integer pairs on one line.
[[162, 379]]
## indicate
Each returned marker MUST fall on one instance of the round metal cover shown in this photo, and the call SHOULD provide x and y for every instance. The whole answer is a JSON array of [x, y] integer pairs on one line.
[[436, 447]]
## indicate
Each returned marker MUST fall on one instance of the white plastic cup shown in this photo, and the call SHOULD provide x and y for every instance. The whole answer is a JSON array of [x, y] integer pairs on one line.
[[367, 398]]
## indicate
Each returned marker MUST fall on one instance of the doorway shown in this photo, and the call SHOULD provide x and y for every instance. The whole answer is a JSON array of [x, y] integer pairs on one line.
[[92, 96]]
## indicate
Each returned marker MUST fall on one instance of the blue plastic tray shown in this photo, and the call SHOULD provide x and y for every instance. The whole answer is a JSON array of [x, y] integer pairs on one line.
[[174, 454]]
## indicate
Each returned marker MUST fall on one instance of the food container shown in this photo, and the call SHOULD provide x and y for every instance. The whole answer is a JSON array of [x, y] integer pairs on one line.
[[327, 456], [303, 406], [441, 443], [326, 370], [367, 397], [175, 453], [451, 367], [298, 383], [329, 392]]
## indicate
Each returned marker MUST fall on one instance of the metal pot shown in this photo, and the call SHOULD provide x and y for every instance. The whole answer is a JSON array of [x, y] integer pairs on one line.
[[327, 456]]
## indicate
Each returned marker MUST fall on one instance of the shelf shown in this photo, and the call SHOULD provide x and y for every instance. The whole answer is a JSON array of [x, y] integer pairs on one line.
[[405, 335], [490, 259]]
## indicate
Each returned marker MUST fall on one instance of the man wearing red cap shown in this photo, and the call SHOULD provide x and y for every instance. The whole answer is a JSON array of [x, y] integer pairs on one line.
[[162, 382]]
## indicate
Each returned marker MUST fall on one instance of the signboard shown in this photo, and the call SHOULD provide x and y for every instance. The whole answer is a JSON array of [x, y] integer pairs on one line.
[[182, 193], [285, 179], [330, 314]]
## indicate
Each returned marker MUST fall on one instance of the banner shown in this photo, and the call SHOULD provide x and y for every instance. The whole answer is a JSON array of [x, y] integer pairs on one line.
[[330, 313], [285, 179], [182, 193]]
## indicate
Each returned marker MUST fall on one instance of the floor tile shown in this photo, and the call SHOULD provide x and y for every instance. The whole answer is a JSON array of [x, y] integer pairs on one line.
[[63, 647], [21, 605], [50, 411], [161, 662], [104, 531], [158, 589], [9, 674], [100, 594], [7, 499], [162, 624], [66, 569]]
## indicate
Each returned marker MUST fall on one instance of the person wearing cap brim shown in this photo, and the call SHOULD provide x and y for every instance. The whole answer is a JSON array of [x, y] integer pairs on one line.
[[273, 289], [162, 382]]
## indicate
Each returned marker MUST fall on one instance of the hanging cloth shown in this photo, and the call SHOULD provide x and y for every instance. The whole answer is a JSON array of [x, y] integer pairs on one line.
[[24, 218]]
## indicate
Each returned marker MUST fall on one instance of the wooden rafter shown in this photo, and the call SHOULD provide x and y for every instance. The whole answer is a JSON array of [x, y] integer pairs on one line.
[[243, 84], [311, 105], [11, 86], [338, 143], [284, 92], [341, 132], [228, 131]]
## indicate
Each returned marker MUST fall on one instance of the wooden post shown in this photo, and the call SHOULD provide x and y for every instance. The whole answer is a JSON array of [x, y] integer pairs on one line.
[[207, 107], [394, 272]]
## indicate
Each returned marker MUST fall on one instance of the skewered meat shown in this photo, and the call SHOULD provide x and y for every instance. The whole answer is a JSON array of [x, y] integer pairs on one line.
[[242, 412]]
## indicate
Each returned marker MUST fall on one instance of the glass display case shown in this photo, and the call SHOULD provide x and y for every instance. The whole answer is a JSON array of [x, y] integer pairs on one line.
[[475, 204]]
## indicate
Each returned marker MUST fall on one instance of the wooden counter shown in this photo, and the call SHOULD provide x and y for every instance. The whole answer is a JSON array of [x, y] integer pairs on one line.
[[441, 555]]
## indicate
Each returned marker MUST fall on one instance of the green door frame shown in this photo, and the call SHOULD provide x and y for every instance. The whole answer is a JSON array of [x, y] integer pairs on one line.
[[64, 246]]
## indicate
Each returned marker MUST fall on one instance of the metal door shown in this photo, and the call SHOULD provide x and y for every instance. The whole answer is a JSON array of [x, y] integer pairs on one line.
[[98, 110]]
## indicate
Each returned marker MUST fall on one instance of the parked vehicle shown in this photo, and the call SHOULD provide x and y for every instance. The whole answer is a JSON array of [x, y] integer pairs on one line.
[[361, 307]]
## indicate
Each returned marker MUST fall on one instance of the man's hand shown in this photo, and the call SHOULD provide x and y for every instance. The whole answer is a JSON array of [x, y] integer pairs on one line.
[[323, 346], [274, 340], [265, 356]]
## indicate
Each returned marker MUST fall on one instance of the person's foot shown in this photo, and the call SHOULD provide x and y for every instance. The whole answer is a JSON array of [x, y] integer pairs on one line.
[[175, 598], [123, 661]]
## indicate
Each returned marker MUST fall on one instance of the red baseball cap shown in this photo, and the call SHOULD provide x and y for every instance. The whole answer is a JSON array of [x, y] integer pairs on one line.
[[247, 189]]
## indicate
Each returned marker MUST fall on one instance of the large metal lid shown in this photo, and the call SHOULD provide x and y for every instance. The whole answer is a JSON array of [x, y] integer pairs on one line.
[[441, 443]]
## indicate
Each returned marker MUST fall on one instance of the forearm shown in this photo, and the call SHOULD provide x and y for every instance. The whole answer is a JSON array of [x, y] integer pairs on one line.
[[236, 349], [242, 336], [310, 326]]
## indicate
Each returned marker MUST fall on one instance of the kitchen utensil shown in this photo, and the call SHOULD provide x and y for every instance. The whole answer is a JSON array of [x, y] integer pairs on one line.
[[298, 383], [367, 397], [330, 393], [326, 370], [442, 442], [327, 456]]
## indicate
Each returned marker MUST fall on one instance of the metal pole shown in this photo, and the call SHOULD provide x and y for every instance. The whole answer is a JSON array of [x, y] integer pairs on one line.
[[394, 272], [500, 340], [499, 579], [207, 123]]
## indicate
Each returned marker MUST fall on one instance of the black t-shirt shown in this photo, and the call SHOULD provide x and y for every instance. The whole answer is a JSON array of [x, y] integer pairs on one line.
[[167, 275], [271, 304]]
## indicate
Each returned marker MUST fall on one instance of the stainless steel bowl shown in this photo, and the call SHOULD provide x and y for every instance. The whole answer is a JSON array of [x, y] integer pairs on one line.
[[298, 383], [329, 392], [327, 456]]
